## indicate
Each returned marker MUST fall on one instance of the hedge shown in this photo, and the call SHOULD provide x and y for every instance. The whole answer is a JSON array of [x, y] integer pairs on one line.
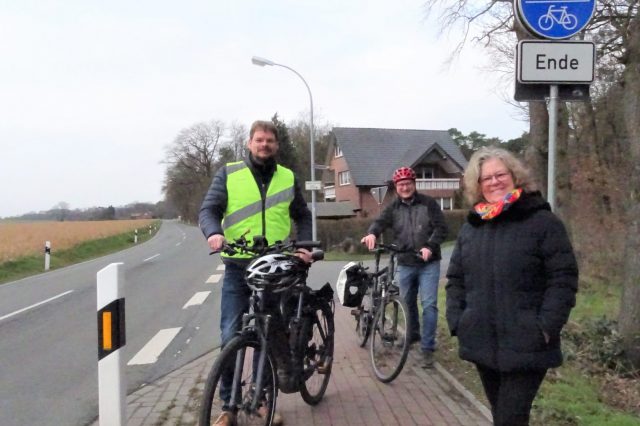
[[345, 234]]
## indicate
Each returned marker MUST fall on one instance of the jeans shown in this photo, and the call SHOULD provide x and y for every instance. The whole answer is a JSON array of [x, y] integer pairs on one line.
[[234, 303], [422, 278], [510, 394]]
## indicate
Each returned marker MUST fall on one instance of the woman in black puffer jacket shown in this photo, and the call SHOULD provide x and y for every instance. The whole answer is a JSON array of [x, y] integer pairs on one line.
[[511, 284]]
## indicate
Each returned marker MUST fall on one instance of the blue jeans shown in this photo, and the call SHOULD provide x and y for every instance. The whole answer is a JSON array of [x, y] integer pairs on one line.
[[425, 279], [234, 303]]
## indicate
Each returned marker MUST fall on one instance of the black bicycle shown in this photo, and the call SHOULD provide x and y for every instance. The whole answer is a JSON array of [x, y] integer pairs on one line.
[[286, 342], [380, 313]]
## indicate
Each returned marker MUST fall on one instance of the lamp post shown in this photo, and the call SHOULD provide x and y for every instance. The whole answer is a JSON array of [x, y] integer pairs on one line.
[[262, 62]]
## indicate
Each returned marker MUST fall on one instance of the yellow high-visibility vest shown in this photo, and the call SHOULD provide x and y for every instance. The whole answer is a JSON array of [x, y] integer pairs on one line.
[[246, 210]]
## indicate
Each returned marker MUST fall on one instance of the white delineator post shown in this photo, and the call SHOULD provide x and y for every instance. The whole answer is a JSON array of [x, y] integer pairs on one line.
[[47, 255], [111, 339], [135, 237]]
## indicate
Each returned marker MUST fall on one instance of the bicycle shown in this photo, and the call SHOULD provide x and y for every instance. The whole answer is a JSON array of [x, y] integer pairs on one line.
[[380, 313], [558, 15], [286, 341]]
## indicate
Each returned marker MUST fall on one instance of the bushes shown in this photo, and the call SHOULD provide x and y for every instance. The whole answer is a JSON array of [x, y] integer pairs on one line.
[[345, 234]]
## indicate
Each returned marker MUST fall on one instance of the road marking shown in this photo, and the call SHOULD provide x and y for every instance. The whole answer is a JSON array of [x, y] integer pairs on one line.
[[214, 279], [34, 305], [154, 347], [197, 299], [178, 244], [220, 268], [152, 257]]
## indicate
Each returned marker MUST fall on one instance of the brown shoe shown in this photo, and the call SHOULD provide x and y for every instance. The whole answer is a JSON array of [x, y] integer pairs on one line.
[[224, 419], [277, 417]]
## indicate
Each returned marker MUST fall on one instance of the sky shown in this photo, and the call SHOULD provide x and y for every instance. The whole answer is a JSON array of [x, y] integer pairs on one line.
[[92, 92]]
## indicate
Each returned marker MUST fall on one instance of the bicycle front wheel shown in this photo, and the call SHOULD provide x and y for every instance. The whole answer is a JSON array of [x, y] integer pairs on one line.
[[237, 365], [389, 339], [318, 356]]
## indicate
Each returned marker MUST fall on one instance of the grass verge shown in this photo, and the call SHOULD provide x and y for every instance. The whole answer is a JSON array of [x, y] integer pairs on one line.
[[32, 265]]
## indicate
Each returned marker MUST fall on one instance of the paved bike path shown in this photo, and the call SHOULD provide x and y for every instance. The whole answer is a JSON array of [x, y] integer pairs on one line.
[[354, 396]]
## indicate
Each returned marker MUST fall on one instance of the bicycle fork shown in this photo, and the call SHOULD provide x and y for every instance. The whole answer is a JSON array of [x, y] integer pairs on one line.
[[256, 397]]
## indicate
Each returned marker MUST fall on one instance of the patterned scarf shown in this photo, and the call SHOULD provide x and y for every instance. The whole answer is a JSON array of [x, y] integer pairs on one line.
[[488, 211]]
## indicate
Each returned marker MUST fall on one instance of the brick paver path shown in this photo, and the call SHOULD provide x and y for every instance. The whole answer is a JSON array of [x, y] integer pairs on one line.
[[354, 396]]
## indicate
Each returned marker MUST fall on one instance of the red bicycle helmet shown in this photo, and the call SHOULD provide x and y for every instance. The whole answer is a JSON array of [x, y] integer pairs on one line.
[[403, 173]]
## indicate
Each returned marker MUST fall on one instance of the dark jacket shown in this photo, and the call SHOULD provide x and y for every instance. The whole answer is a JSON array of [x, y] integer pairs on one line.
[[215, 202], [511, 279], [416, 224]]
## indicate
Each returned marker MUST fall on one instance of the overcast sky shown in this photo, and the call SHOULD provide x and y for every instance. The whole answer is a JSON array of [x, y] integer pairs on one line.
[[91, 92]]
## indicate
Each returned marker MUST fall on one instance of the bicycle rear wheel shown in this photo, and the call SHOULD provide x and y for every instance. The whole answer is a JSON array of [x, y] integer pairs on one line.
[[389, 339], [364, 318], [318, 356], [241, 351]]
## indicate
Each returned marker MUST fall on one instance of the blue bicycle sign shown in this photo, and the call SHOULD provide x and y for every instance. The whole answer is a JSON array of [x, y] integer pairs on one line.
[[555, 19]]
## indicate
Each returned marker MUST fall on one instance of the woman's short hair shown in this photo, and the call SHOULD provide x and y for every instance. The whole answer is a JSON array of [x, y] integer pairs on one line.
[[265, 126], [471, 181]]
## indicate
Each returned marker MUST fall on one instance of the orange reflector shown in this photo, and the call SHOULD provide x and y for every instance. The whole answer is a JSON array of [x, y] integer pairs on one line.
[[106, 331]]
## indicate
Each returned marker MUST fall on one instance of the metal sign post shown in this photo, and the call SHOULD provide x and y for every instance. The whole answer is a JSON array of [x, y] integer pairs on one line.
[[548, 62]]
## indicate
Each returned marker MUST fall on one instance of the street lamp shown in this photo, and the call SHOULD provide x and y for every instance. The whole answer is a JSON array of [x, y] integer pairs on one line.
[[262, 62]]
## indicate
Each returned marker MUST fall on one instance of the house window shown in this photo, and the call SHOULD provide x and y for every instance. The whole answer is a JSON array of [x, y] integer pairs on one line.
[[425, 173], [446, 203], [338, 152], [344, 178]]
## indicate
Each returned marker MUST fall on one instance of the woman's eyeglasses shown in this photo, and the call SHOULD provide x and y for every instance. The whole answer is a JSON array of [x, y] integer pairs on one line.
[[500, 177]]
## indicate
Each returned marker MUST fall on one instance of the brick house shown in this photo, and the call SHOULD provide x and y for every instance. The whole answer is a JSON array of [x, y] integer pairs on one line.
[[361, 159]]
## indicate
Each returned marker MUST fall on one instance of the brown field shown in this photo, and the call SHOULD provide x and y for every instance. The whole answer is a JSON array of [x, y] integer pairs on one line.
[[18, 239]]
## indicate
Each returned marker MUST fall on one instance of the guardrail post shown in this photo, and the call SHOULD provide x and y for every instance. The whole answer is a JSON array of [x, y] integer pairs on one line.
[[47, 255], [111, 338]]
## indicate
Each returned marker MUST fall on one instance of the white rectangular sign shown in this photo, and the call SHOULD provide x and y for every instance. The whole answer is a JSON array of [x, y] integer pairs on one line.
[[555, 62], [313, 185]]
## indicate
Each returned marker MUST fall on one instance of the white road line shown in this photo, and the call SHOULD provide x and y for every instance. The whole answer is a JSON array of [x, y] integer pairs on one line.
[[178, 244], [154, 347], [220, 268], [214, 279], [152, 257], [34, 305], [197, 299]]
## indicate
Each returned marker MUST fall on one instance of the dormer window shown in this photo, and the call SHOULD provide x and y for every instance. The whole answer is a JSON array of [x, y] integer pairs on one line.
[[338, 152]]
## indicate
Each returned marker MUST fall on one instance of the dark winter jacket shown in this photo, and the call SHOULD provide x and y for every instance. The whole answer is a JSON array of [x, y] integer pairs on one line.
[[215, 202], [416, 224], [509, 280]]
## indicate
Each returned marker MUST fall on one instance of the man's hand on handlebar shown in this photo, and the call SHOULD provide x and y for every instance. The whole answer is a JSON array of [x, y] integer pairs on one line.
[[215, 242], [369, 241], [304, 254]]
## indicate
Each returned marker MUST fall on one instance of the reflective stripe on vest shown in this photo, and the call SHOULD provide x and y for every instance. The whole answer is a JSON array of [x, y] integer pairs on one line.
[[245, 205]]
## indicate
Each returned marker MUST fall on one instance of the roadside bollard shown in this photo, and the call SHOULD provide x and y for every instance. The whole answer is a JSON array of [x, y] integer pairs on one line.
[[111, 338], [149, 229], [135, 237], [47, 255]]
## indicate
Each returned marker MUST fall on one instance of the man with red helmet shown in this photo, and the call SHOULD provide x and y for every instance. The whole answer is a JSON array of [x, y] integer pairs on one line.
[[418, 225]]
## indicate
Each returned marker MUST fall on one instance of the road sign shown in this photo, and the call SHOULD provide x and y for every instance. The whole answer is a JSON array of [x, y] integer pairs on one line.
[[555, 19], [378, 193], [555, 62], [313, 185]]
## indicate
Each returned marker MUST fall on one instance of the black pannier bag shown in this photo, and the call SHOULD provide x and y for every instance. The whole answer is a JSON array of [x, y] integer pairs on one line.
[[351, 285]]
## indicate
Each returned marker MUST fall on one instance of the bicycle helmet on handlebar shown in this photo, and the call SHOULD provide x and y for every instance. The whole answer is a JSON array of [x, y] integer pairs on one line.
[[403, 173], [277, 272]]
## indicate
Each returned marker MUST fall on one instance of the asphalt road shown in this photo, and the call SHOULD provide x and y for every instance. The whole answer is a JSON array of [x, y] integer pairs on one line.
[[48, 329]]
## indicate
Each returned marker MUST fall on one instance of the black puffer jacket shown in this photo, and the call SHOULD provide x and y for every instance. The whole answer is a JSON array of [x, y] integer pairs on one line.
[[416, 224], [511, 279]]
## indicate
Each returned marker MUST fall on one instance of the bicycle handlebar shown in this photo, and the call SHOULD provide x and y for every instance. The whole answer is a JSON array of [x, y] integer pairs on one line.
[[260, 247]]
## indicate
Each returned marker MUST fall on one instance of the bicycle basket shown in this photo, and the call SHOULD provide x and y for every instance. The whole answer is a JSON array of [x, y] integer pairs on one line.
[[351, 285], [276, 272]]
